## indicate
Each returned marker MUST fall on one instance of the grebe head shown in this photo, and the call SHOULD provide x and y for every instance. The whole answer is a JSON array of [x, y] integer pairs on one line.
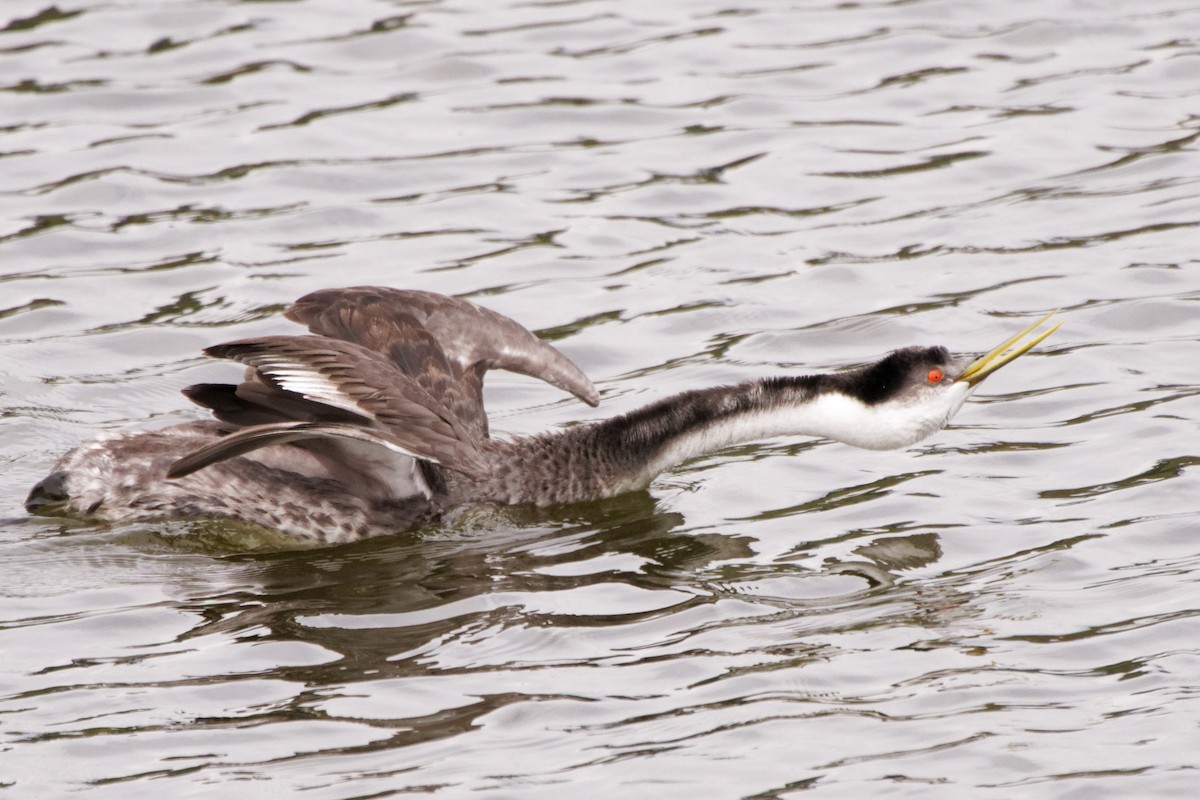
[[908, 394]]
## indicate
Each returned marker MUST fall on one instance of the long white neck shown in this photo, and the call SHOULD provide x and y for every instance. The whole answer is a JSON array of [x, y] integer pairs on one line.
[[756, 411], [629, 451]]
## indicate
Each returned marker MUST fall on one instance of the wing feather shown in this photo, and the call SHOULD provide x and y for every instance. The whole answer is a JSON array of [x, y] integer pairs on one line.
[[345, 379], [249, 439], [401, 370], [475, 339]]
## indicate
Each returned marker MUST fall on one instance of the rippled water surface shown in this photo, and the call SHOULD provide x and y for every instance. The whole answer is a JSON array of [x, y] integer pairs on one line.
[[677, 194]]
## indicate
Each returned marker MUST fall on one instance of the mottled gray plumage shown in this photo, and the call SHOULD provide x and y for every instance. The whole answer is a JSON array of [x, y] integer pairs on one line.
[[374, 422], [370, 424]]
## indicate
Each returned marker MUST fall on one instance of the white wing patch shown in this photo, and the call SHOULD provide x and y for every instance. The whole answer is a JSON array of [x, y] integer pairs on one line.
[[302, 379]]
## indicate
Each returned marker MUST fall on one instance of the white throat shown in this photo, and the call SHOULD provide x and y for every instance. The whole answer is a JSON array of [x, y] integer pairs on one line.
[[832, 415]]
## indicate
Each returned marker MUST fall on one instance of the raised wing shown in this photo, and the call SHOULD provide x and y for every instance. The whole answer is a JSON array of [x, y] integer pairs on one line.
[[399, 373], [312, 387], [471, 338]]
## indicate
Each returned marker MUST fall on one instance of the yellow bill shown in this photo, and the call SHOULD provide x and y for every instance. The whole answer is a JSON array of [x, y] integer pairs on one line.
[[1000, 355]]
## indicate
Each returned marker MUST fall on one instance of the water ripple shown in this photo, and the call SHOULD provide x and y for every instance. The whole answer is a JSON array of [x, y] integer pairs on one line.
[[677, 196]]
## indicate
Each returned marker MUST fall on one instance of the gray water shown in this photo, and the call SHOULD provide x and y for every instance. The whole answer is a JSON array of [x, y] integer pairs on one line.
[[677, 194]]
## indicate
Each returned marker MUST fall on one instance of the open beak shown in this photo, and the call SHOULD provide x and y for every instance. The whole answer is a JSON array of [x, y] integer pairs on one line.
[[1008, 351]]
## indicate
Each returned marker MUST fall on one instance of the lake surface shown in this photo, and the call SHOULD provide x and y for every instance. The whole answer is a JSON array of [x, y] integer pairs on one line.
[[677, 194]]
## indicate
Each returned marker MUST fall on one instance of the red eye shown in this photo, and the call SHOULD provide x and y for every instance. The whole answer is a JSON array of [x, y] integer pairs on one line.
[[935, 376]]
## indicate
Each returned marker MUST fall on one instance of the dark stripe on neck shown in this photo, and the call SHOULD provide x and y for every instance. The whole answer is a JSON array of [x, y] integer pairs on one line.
[[641, 433], [637, 436]]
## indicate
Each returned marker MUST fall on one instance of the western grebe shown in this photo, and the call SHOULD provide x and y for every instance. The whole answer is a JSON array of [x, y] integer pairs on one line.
[[374, 423]]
